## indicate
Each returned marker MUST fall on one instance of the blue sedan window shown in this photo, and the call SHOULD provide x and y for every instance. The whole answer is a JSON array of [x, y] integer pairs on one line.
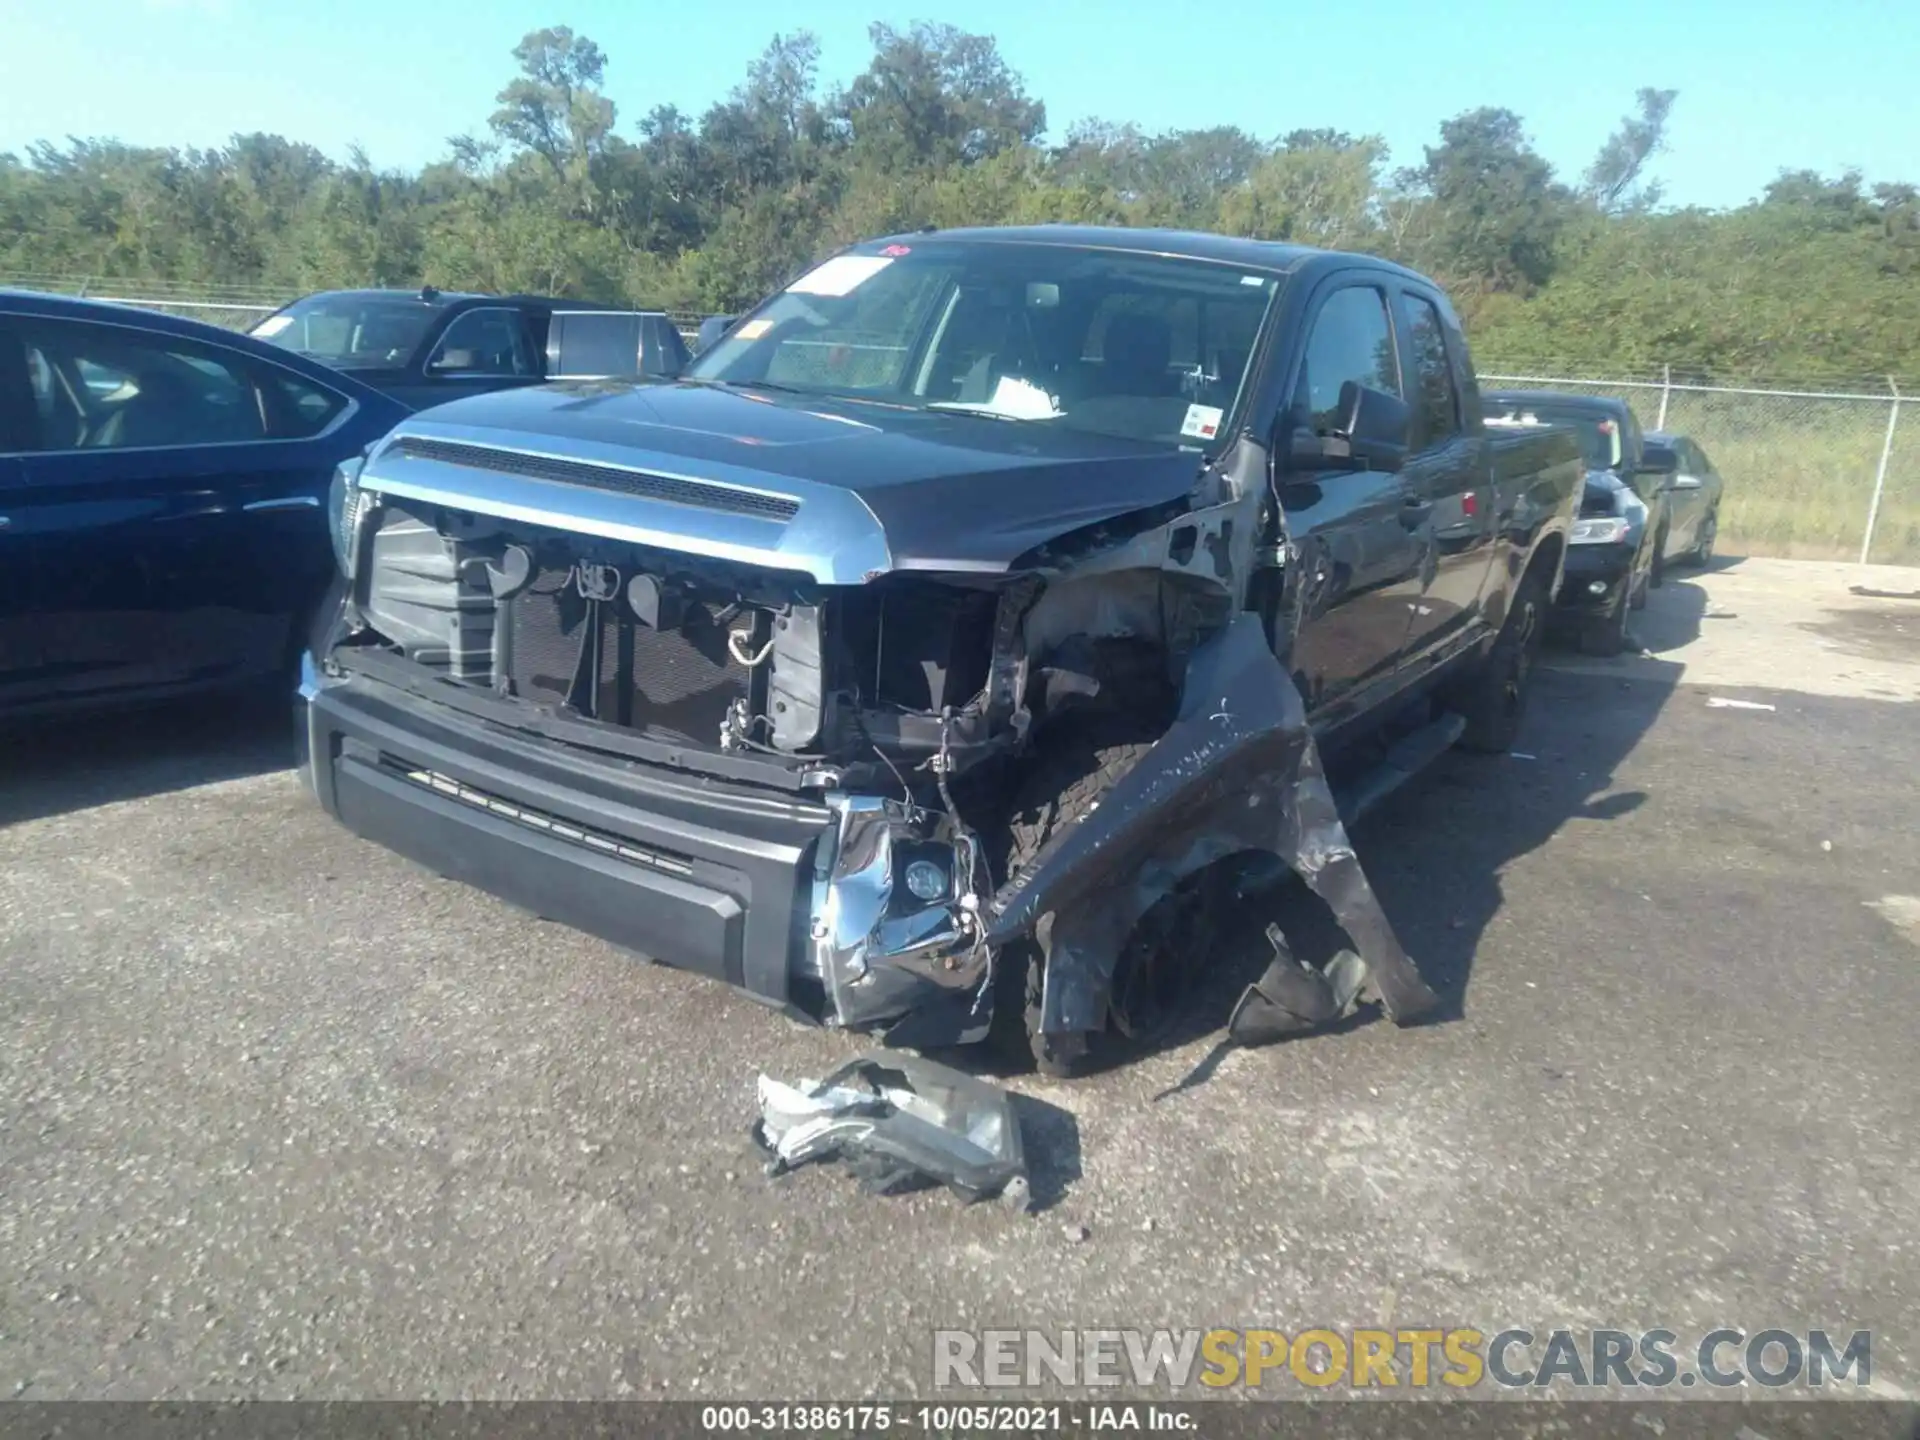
[[102, 386]]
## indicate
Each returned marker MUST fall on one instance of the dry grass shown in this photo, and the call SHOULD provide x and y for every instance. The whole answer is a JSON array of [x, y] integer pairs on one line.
[[1799, 474]]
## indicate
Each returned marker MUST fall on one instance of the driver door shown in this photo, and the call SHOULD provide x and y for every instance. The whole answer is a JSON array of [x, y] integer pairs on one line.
[[486, 348], [1356, 533]]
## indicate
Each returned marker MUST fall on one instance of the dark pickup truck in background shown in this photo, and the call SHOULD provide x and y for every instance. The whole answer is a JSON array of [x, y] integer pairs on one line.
[[425, 347], [1617, 551], [938, 641]]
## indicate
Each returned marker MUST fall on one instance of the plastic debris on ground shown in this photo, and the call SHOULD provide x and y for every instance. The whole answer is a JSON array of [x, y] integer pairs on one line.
[[1717, 702], [899, 1122]]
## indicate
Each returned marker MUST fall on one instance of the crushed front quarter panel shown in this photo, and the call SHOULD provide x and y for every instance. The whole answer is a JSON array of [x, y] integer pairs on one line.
[[1238, 771]]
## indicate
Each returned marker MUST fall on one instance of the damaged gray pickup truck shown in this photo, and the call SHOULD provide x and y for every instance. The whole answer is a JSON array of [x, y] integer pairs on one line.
[[943, 636]]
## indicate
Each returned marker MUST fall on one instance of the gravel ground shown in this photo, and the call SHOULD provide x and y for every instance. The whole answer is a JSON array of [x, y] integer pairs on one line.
[[283, 1116]]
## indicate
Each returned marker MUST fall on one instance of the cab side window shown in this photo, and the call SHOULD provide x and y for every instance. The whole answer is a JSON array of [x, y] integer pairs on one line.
[[484, 342], [1351, 339], [1436, 400]]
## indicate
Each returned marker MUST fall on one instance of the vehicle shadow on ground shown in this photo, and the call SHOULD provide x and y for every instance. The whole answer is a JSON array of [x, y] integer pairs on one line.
[[54, 767], [1435, 851], [1050, 1138]]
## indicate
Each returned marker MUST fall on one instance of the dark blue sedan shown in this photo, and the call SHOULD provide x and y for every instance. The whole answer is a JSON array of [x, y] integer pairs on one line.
[[162, 502]]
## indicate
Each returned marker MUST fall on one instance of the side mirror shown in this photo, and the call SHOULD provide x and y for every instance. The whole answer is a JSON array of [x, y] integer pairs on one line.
[[712, 329], [1371, 431]]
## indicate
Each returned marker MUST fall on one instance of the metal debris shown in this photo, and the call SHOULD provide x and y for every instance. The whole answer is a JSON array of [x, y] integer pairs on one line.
[[900, 1122], [1292, 997]]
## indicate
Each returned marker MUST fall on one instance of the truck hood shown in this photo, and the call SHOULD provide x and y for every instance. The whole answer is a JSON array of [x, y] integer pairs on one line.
[[844, 489]]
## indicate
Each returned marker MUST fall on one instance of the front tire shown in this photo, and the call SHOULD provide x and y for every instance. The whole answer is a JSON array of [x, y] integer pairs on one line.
[[1162, 958]]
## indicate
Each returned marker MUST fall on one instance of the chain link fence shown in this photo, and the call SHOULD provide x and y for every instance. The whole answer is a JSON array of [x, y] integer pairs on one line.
[[1815, 471]]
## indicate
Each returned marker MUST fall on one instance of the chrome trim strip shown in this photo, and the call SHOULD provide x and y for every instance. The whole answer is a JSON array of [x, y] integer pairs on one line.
[[833, 537], [695, 494], [282, 502], [309, 686]]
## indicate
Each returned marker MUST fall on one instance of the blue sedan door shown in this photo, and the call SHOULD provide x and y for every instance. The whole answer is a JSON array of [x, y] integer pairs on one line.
[[173, 509], [19, 647]]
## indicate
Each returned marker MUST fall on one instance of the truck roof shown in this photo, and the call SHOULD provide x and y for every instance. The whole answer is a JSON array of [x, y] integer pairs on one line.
[[429, 296], [1268, 255]]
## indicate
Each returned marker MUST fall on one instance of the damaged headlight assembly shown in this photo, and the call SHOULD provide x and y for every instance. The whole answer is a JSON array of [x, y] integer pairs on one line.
[[896, 913], [346, 505], [899, 1121]]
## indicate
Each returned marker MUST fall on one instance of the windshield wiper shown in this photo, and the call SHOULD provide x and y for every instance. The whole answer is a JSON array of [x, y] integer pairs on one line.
[[766, 385], [945, 407]]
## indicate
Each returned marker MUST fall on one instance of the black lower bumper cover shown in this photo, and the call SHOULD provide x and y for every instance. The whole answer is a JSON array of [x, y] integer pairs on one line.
[[703, 877], [1610, 564]]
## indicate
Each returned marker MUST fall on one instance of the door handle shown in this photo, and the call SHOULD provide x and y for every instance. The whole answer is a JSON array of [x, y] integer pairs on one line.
[[282, 502], [1414, 511]]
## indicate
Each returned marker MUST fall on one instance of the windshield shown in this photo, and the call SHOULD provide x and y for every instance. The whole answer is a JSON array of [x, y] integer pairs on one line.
[[350, 330], [1117, 344], [1599, 436]]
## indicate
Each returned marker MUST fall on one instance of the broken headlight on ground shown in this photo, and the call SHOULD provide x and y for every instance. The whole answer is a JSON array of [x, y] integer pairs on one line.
[[899, 1122]]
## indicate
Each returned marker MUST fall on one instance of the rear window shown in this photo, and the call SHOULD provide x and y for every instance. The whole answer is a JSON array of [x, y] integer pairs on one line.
[[1599, 435]]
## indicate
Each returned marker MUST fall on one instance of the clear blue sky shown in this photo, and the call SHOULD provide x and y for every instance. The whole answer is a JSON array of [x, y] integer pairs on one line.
[[1764, 84]]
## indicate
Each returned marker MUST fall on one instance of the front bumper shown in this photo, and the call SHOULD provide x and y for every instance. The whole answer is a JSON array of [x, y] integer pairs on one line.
[[1594, 577], [777, 895]]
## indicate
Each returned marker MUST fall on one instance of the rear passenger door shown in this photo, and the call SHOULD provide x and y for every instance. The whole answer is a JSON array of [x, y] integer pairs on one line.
[[1356, 571], [1687, 497], [1447, 471]]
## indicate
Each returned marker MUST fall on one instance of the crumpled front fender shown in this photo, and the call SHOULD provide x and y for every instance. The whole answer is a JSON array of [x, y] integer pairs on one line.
[[1237, 771]]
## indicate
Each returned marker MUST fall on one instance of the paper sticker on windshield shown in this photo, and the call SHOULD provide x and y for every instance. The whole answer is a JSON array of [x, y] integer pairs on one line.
[[1202, 422], [841, 275], [272, 325], [753, 330]]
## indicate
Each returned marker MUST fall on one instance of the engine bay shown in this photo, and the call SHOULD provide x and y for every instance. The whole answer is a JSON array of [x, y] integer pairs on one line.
[[908, 673]]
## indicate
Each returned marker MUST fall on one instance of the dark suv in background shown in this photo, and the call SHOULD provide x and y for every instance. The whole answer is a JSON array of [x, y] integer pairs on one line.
[[425, 347]]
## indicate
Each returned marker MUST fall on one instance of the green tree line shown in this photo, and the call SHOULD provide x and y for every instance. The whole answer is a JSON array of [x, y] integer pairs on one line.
[[1814, 280]]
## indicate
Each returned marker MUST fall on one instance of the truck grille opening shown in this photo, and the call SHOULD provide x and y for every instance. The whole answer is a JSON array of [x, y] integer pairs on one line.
[[680, 678]]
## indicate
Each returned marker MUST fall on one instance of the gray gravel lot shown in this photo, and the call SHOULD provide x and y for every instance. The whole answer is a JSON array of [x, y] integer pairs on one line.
[[283, 1116]]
